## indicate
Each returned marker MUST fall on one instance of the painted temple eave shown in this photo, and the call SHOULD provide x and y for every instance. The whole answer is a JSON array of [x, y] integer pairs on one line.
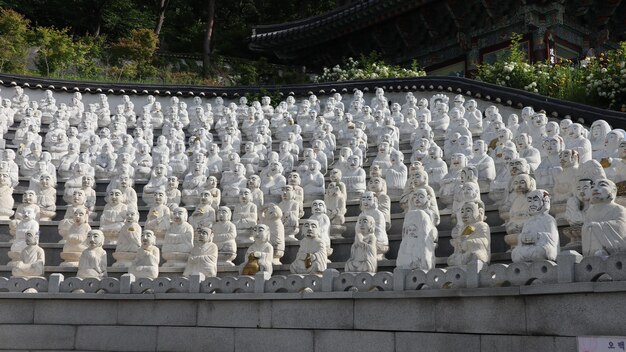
[[403, 30]]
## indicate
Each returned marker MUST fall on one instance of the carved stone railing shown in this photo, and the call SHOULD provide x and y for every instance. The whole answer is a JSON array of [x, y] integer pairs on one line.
[[570, 267]]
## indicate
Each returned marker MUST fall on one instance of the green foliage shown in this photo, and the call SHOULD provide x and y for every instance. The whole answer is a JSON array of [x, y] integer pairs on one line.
[[13, 41], [368, 67], [595, 81], [605, 78], [88, 54], [134, 55], [55, 50]]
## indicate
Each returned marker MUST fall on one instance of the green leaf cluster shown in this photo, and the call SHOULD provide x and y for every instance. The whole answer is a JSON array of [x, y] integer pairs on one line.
[[599, 81]]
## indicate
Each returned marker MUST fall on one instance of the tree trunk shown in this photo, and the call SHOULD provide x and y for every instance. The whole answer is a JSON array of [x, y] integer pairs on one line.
[[206, 48], [98, 15], [160, 15]]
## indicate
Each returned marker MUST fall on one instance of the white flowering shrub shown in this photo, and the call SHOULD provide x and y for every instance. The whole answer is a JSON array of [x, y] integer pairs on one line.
[[367, 67], [596, 81]]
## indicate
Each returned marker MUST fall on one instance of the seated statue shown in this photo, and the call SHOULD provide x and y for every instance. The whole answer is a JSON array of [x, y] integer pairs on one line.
[[245, 216], [312, 180], [435, 166], [363, 257], [112, 218], [419, 239], [369, 207], [158, 220], [193, 184], [32, 258], [448, 184], [565, 184], [204, 214], [158, 181], [318, 213], [539, 239], [522, 184], [6, 196], [397, 174], [146, 262], [273, 181], [254, 185], [211, 186], [378, 185], [272, 216], [204, 254], [178, 240], [474, 242], [335, 200], [604, 229], [260, 253], [129, 240], [550, 167], [93, 260], [383, 155], [312, 256], [354, 178], [292, 213]]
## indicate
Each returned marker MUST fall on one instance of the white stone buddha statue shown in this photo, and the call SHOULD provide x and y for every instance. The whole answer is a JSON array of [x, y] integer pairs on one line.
[[369, 207], [419, 237], [260, 254], [604, 227], [539, 238], [363, 256], [203, 259], [147, 258], [272, 216], [178, 240], [474, 240], [93, 260], [129, 240], [312, 256]]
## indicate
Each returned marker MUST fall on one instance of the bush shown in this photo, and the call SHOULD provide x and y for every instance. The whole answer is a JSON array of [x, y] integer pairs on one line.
[[88, 56], [13, 41], [136, 51], [606, 78], [595, 81], [367, 67], [55, 52]]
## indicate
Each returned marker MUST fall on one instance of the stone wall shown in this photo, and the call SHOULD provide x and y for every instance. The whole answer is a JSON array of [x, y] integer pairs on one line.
[[535, 318]]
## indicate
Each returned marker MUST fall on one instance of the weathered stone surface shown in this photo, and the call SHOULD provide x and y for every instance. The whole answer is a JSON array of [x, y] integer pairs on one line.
[[312, 314], [59, 337], [116, 338], [484, 315], [195, 339], [75, 312], [408, 341], [357, 341], [16, 311], [161, 312], [234, 314], [509, 343], [395, 314], [274, 340], [575, 314]]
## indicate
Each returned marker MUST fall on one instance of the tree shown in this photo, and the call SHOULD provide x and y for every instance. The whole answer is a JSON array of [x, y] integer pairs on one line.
[[135, 53], [161, 6], [206, 52], [13, 41], [55, 51]]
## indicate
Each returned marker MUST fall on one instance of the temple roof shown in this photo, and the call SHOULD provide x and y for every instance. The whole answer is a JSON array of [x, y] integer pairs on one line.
[[406, 29]]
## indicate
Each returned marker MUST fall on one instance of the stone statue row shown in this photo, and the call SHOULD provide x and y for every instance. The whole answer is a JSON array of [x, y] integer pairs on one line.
[[518, 169]]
